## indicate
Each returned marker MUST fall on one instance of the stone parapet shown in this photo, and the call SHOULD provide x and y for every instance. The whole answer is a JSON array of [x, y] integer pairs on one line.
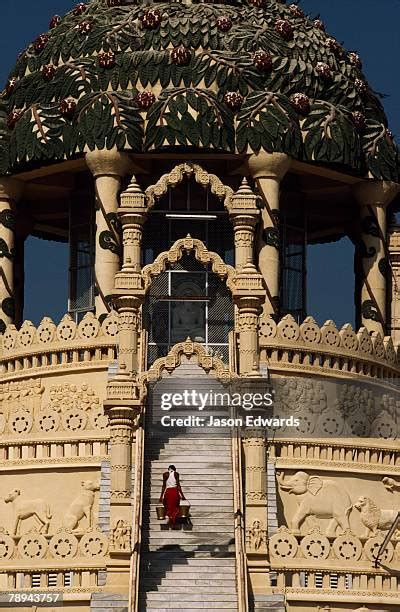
[[32, 350], [326, 350]]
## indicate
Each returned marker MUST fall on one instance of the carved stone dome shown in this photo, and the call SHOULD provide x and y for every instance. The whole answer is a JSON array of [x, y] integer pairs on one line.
[[230, 78]]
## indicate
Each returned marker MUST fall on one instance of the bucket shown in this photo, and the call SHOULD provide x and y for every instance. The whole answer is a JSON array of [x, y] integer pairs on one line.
[[160, 513], [184, 509]]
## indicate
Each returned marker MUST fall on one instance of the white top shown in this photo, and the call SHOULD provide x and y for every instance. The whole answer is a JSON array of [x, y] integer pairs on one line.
[[171, 480]]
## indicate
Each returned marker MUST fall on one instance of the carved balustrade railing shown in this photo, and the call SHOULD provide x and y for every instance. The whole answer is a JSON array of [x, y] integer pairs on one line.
[[326, 350], [68, 345], [54, 579], [339, 586], [381, 456]]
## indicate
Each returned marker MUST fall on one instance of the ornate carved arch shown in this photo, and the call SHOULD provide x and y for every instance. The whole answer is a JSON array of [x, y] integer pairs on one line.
[[201, 253], [201, 176], [174, 359]]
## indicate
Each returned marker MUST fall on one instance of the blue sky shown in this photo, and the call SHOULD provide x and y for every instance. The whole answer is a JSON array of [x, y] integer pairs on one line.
[[369, 27]]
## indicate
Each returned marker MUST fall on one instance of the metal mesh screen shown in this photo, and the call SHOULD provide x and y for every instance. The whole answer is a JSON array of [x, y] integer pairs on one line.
[[81, 294], [293, 269], [182, 303], [220, 311], [187, 299]]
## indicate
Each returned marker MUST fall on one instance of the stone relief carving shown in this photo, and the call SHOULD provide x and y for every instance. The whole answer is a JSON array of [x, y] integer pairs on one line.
[[32, 545], [27, 508], [64, 544], [256, 536], [20, 395], [120, 538], [71, 407], [66, 396], [6, 545], [35, 530], [94, 544], [346, 550], [82, 506], [332, 408], [315, 545], [321, 498], [390, 484], [372, 517]]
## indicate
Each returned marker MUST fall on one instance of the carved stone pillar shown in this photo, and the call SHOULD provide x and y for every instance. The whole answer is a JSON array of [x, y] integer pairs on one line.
[[128, 292], [128, 308], [268, 170], [244, 215], [123, 423], [132, 213], [373, 198], [256, 514], [122, 419], [108, 169], [10, 191], [248, 297]]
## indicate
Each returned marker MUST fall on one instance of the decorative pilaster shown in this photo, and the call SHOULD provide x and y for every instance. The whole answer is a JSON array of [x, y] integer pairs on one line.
[[244, 215], [129, 293], [122, 420], [373, 198], [256, 506], [268, 170], [108, 169], [128, 307], [10, 191], [248, 297]]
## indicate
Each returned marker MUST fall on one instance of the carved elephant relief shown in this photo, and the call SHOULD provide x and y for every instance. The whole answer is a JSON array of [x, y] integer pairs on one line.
[[319, 498]]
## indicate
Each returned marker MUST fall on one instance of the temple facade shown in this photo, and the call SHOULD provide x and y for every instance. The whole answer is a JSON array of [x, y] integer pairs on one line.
[[188, 154]]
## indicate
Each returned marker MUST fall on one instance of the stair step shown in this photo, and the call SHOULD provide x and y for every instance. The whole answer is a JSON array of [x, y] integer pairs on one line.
[[197, 524], [203, 491], [179, 560], [181, 579], [192, 567], [219, 475], [188, 537], [207, 551], [184, 443], [192, 597], [163, 528], [199, 513], [183, 590], [196, 605]]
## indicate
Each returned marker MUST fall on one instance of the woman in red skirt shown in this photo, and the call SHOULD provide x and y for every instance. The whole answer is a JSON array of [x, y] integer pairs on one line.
[[171, 494]]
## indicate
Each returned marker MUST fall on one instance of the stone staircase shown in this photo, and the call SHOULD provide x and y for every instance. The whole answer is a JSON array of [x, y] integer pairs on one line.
[[191, 567]]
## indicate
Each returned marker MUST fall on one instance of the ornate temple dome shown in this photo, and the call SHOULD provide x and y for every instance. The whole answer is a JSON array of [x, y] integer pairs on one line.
[[232, 78]]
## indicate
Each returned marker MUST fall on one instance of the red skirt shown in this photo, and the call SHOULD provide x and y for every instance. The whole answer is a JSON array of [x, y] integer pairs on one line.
[[171, 503]]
